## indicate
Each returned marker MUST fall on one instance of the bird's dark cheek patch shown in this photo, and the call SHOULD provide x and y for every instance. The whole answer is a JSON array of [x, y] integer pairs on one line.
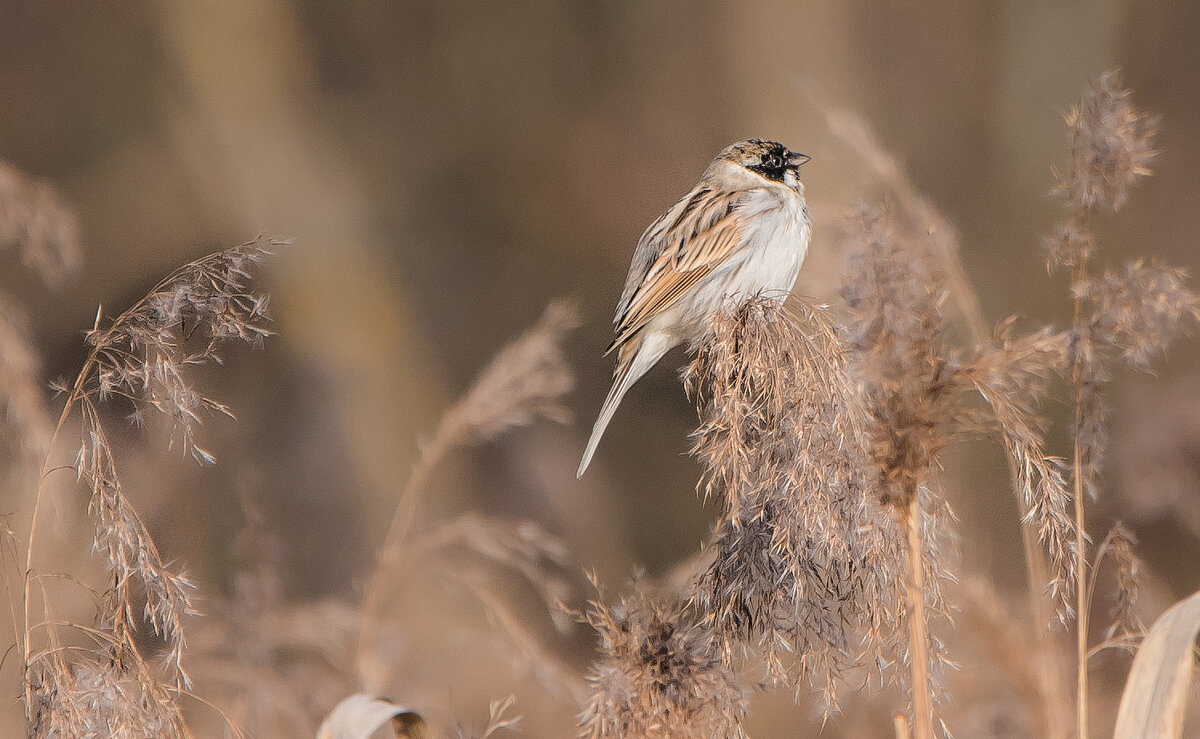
[[770, 173]]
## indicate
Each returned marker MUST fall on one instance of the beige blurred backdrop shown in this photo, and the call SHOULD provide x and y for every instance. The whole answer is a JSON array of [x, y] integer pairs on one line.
[[447, 168]]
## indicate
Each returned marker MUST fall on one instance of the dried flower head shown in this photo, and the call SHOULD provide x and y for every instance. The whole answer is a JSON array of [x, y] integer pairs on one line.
[[525, 381], [901, 360], [1112, 144], [1134, 317], [1127, 626], [142, 355], [1013, 377], [660, 674], [94, 699], [1139, 313], [804, 560]]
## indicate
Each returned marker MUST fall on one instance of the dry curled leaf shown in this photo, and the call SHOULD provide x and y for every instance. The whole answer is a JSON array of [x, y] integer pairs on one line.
[[360, 715], [1156, 694]]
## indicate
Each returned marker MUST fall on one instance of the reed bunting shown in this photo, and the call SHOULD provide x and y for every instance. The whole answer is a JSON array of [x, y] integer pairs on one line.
[[743, 230]]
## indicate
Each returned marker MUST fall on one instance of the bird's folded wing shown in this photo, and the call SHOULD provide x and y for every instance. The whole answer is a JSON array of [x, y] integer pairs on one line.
[[689, 241]]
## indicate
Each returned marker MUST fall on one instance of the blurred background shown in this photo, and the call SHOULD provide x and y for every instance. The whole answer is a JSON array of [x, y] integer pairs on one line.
[[447, 168]]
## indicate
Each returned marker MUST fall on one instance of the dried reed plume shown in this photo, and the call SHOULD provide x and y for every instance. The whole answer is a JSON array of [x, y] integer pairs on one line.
[[142, 356], [1112, 144], [1130, 316], [661, 673], [1037, 477], [904, 372], [1013, 376], [524, 382], [902, 360], [36, 220], [804, 563], [1127, 627]]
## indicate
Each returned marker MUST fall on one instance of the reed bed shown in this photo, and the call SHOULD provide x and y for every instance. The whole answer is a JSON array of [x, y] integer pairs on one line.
[[830, 574]]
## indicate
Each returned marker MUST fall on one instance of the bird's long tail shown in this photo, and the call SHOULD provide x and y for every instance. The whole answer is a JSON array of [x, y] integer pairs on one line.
[[623, 380]]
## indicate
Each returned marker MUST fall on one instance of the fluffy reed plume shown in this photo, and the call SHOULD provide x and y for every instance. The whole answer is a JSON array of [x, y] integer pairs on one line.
[[142, 356], [36, 220], [1112, 144], [1130, 316], [661, 673], [93, 698], [524, 382], [803, 569], [1126, 628], [902, 359], [904, 372], [1013, 376], [861, 144], [1037, 477]]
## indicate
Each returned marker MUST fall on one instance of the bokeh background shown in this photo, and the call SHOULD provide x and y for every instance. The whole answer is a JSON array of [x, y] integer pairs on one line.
[[447, 168]]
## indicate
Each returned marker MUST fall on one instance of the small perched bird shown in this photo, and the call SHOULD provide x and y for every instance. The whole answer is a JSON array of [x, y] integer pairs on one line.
[[743, 230]]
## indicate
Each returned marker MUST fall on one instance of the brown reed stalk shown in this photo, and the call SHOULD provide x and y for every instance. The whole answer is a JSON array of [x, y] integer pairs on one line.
[[1131, 316], [1038, 479], [141, 356], [904, 370], [918, 633]]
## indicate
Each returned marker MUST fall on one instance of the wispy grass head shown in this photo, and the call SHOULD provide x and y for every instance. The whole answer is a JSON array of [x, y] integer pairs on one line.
[[902, 361], [37, 220], [142, 356], [1112, 144], [660, 674]]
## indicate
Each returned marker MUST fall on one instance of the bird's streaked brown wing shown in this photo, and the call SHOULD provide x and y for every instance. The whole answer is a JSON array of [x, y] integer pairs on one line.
[[678, 250]]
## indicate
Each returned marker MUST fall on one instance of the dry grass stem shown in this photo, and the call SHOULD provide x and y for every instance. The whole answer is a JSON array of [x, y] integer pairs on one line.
[[140, 356], [904, 370], [1131, 316]]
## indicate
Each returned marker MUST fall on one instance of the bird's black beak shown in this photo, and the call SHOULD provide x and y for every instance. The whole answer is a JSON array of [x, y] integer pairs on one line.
[[797, 160]]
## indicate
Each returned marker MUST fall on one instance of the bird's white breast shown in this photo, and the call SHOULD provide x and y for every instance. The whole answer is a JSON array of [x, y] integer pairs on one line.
[[767, 262]]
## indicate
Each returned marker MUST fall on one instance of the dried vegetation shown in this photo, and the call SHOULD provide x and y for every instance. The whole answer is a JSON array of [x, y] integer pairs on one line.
[[830, 569]]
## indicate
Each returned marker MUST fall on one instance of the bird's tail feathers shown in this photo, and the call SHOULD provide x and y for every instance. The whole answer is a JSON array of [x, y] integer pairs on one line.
[[623, 380]]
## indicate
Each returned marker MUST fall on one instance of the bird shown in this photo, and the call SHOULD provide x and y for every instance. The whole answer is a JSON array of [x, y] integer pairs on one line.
[[742, 231]]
